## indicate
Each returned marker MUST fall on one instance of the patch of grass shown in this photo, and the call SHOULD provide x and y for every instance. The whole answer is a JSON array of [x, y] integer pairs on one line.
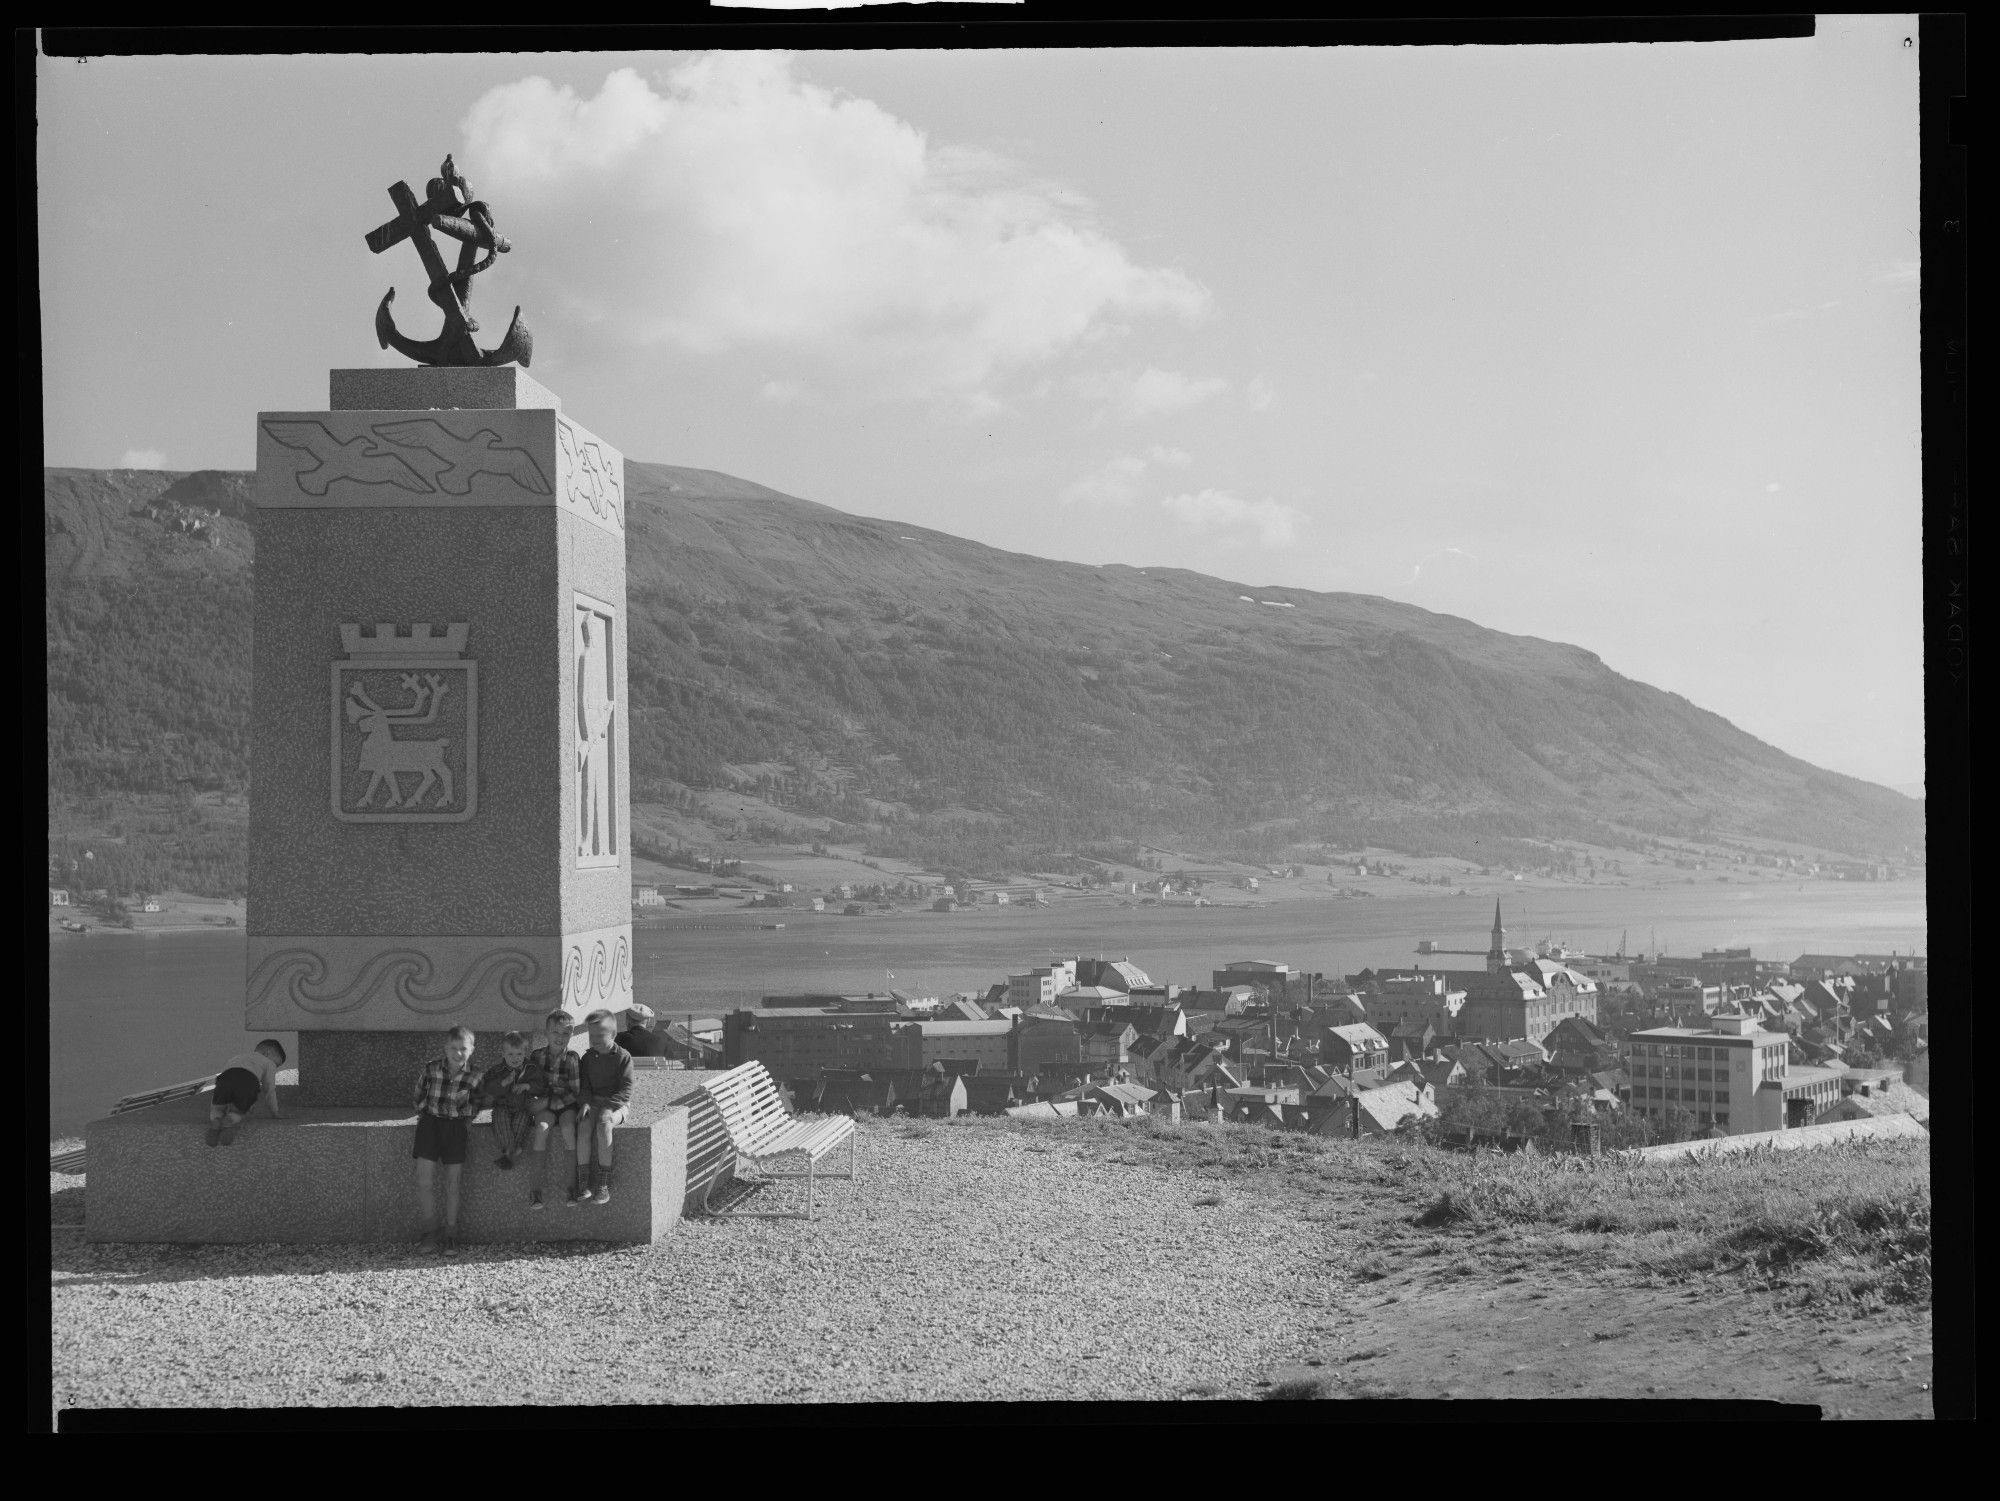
[[1847, 1223]]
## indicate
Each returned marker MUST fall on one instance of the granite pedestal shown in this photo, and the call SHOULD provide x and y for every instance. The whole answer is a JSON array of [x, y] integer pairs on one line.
[[346, 1176], [440, 823], [440, 827]]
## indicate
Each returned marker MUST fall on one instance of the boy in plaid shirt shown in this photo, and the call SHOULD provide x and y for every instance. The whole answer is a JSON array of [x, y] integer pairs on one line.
[[446, 1099], [552, 1072], [510, 1088]]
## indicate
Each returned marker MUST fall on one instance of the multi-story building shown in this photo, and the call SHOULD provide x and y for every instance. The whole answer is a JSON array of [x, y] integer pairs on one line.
[[1397, 999], [1252, 972], [1504, 1004], [1614, 969], [1726, 967], [988, 1046], [1346, 1050], [1732, 1075], [799, 1045], [1041, 985], [1570, 991]]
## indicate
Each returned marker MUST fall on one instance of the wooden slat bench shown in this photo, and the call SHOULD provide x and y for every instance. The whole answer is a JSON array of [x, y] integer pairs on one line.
[[73, 1161], [761, 1131], [153, 1097], [711, 1159]]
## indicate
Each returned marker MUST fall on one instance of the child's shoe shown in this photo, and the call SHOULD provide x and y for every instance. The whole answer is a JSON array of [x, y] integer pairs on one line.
[[451, 1243], [505, 1164], [226, 1136], [212, 1135], [428, 1243], [576, 1197], [602, 1193], [534, 1198]]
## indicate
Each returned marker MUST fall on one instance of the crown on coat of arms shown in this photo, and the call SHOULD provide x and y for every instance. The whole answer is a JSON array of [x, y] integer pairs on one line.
[[386, 644]]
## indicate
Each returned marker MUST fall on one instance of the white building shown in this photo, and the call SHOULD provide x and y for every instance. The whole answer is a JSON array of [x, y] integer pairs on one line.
[[1733, 1075]]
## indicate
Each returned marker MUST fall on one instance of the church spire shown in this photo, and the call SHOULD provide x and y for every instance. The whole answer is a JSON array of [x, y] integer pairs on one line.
[[1496, 956]]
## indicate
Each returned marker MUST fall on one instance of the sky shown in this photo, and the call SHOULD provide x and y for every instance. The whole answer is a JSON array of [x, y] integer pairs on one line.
[[1614, 345]]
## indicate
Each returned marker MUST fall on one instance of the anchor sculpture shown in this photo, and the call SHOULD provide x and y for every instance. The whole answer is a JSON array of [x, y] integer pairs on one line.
[[449, 209]]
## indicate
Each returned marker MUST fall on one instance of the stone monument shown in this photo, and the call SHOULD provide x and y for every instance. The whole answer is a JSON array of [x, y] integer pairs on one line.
[[440, 825]]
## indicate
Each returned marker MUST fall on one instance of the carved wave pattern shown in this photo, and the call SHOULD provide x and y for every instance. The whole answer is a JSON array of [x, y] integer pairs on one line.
[[408, 977], [606, 976]]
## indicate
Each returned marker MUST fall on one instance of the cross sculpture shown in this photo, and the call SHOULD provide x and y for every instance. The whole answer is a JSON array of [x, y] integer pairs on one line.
[[450, 209]]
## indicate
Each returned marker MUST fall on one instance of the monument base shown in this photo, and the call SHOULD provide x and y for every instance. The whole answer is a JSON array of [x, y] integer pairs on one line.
[[332, 1176], [379, 1071], [370, 1070]]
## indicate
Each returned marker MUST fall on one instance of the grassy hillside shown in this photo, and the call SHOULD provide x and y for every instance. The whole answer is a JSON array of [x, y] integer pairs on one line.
[[899, 678]]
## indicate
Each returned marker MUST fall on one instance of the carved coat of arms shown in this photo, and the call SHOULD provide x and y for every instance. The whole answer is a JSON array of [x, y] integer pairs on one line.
[[405, 727]]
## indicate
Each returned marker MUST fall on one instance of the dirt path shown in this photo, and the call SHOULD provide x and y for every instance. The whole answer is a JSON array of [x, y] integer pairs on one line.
[[1540, 1337]]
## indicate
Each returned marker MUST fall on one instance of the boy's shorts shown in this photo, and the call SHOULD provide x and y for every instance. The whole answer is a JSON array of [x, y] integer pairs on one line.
[[237, 1088], [439, 1140]]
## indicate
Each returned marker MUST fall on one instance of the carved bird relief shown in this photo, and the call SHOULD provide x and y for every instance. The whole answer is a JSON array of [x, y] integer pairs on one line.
[[358, 459], [452, 462]]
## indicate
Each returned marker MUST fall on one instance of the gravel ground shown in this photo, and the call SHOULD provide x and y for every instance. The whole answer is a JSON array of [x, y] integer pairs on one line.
[[970, 1260]]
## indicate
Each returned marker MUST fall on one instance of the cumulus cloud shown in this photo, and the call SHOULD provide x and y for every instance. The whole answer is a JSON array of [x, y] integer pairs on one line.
[[1117, 481], [1137, 394], [143, 458], [737, 205], [1220, 514]]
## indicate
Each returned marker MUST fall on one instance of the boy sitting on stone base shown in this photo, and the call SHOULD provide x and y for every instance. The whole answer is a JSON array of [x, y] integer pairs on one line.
[[446, 1099], [552, 1072], [510, 1089], [244, 1080], [604, 1099]]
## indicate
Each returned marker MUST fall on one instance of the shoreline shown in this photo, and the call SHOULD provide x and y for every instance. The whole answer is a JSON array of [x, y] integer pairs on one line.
[[1390, 889]]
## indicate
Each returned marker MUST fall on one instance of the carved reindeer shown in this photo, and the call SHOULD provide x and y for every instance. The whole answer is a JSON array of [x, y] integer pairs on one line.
[[385, 757]]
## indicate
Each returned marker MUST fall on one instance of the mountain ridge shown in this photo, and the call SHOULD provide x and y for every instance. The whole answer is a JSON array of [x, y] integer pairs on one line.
[[886, 674]]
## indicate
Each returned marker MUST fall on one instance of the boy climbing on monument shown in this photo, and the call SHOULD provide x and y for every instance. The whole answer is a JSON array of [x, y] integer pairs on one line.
[[245, 1079], [552, 1076], [446, 1099], [604, 1100], [510, 1088]]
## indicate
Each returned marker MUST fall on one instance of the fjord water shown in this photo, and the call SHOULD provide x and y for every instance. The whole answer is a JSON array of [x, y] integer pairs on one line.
[[129, 1013]]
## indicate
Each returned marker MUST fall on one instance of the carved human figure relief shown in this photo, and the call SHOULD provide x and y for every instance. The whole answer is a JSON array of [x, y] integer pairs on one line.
[[596, 711]]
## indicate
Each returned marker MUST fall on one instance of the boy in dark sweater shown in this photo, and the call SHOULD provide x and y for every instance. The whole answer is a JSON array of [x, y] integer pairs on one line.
[[604, 1099]]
